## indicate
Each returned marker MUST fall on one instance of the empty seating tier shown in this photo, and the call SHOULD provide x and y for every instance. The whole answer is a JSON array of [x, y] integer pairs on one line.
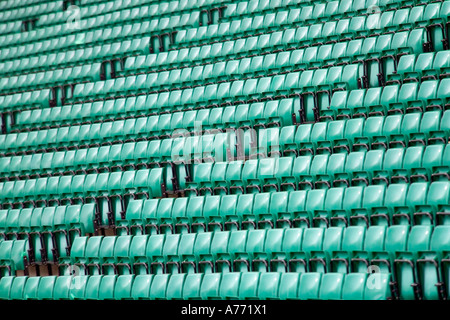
[[224, 149]]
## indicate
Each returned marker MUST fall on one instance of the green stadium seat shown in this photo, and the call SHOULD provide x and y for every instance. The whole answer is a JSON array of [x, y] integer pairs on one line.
[[6, 287], [30, 289], [141, 287], [354, 286], [210, 286], [46, 288], [309, 286], [192, 286], [331, 286], [248, 285]]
